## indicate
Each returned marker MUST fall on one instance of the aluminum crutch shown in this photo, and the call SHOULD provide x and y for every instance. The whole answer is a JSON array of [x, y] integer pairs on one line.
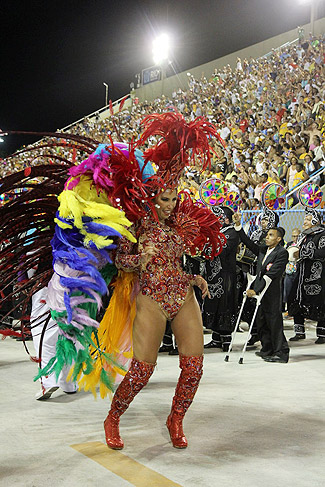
[[250, 279], [258, 299]]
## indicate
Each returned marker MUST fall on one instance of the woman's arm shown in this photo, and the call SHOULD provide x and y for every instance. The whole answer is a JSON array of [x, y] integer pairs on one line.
[[305, 176], [201, 283], [125, 258], [129, 259]]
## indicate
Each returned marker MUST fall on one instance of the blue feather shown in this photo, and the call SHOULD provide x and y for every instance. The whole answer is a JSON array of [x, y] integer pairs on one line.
[[68, 307], [75, 283], [99, 229]]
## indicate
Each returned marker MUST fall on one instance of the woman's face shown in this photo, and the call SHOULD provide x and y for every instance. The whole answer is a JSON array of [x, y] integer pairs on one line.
[[165, 203]]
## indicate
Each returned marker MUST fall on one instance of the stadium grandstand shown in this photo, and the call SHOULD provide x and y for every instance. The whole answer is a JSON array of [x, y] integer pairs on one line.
[[270, 112]]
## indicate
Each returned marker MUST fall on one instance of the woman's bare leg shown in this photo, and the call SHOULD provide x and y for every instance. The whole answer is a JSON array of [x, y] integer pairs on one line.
[[148, 329], [188, 328]]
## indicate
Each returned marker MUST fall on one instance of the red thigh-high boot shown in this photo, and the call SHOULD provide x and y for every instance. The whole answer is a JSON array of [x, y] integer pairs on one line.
[[136, 378], [188, 382]]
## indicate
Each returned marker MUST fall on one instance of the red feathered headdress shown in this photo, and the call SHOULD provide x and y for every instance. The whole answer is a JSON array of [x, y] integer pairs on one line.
[[180, 143]]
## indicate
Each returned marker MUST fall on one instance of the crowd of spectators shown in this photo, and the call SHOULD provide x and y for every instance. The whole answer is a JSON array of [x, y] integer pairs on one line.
[[270, 113]]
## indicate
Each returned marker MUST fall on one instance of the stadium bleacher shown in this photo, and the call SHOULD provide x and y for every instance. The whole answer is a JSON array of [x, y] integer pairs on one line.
[[269, 111]]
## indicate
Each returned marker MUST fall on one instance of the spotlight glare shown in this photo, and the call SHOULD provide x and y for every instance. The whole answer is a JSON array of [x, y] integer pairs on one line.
[[160, 48]]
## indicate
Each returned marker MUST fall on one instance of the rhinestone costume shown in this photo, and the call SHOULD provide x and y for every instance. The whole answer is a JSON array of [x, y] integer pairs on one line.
[[192, 370], [188, 382], [163, 278], [136, 378]]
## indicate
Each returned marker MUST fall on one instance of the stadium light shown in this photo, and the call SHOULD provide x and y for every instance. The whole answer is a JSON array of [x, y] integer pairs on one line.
[[160, 49]]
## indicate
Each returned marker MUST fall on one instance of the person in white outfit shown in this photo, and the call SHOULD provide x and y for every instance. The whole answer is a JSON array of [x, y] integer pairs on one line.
[[50, 383]]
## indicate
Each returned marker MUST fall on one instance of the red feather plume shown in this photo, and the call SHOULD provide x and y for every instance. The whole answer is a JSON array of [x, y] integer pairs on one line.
[[8, 332], [111, 110], [198, 227], [180, 144], [129, 191], [122, 103]]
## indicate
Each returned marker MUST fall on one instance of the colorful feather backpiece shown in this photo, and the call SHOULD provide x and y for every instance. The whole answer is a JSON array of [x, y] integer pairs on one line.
[[98, 199], [84, 231], [87, 230]]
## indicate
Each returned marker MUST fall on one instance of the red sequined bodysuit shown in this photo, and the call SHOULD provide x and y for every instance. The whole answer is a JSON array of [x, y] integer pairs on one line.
[[163, 278]]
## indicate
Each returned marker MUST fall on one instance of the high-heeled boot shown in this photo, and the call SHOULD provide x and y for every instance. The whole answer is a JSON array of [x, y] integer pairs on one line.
[[188, 382], [136, 378]]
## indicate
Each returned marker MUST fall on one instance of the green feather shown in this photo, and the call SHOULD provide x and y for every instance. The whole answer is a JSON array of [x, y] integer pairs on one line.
[[46, 370], [107, 380], [66, 352]]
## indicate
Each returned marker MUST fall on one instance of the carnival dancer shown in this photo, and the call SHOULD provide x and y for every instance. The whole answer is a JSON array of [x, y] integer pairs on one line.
[[307, 297], [165, 293], [220, 310], [113, 188], [271, 263]]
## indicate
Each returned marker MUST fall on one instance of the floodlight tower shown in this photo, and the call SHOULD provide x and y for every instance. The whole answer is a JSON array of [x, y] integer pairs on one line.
[[313, 7], [312, 16]]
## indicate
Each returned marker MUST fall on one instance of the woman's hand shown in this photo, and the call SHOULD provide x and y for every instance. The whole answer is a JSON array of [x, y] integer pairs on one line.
[[203, 285], [147, 253]]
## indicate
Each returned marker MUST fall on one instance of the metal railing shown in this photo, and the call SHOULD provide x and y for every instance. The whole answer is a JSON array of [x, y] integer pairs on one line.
[[296, 188], [289, 219], [286, 44]]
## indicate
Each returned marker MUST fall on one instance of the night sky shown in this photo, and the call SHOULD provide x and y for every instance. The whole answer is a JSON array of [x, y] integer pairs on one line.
[[55, 55]]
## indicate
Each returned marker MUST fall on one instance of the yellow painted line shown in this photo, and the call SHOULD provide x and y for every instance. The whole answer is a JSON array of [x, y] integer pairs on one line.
[[123, 466]]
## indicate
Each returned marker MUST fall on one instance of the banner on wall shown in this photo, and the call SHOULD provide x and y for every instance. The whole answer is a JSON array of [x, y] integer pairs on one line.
[[149, 75]]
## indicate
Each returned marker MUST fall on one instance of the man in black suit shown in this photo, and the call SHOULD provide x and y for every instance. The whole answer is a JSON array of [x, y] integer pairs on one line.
[[272, 259]]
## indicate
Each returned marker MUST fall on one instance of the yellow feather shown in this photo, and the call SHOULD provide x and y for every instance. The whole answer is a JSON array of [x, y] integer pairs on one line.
[[114, 334], [83, 200], [62, 224]]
